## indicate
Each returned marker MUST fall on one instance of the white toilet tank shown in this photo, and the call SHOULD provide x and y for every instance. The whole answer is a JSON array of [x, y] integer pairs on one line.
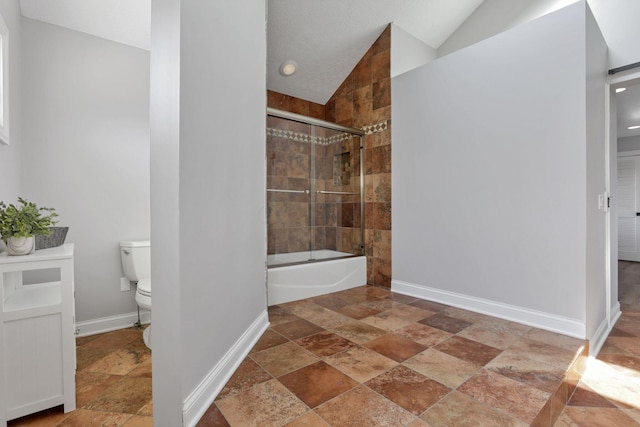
[[136, 259]]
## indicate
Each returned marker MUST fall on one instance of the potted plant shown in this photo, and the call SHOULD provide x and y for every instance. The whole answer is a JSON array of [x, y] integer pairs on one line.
[[19, 225]]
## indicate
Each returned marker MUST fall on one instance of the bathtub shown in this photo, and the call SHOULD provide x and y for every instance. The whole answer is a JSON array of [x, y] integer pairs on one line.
[[323, 275]]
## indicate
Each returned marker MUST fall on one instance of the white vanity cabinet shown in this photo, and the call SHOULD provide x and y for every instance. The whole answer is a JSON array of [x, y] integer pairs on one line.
[[37, 340]]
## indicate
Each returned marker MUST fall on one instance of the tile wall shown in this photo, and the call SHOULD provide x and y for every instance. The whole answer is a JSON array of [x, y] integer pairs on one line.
[[363, 101]]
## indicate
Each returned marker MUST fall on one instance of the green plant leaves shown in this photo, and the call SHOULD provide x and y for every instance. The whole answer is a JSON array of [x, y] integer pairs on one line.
[[25, 220]]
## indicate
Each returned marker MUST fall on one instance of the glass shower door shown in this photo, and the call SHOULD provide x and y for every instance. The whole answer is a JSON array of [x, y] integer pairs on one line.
[[314, 191], [288, 191], [336, 196]]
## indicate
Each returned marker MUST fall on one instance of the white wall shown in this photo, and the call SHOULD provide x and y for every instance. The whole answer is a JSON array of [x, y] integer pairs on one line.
[[408, 52], [490, 174], [208, 198], [596, 71], [10, 158], [631, 143], [85, 151], [165, 205], [620, 31], [494, 16], [222, 175]]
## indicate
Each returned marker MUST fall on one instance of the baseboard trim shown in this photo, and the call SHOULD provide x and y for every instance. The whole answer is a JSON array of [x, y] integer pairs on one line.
[[615, 314], [596, 342], [538, 319], [111, 323], [197, 403], [600, 336]]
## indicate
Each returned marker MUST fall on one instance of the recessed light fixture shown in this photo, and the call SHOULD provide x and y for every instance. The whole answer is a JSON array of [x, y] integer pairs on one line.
[[621, 89], [288, 68], [633, 127]]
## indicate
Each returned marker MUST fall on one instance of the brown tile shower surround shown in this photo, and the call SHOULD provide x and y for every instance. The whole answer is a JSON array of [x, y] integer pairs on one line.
[[363, 100], [367, 357], [113, 385]]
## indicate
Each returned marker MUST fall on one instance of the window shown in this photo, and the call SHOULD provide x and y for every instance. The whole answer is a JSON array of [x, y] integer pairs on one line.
[[4, 83]]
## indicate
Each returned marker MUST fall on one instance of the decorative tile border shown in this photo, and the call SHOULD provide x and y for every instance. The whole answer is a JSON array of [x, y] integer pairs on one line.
[[303, 137], [294, 136], [378, 127], [336, 138]]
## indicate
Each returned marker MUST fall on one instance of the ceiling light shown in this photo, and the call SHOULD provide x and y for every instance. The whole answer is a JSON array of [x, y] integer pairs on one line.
[[288, 68], [621, 89], [633, 127]]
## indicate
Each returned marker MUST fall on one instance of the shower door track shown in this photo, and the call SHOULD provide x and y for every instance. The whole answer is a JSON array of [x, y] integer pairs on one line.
[[312, 121]]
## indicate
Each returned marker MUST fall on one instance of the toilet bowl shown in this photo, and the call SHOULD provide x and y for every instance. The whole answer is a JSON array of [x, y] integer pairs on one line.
[[143, 298], [136, 263]]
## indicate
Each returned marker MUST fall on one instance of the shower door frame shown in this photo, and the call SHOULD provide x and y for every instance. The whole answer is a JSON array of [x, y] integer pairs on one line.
[[274, 112]]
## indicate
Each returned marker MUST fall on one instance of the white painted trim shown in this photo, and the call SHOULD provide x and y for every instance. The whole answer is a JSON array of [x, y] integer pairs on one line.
[[613, 82], [199, 400], [607, 198], [111, 323], [537, 319], [600, 336], [615, 314]]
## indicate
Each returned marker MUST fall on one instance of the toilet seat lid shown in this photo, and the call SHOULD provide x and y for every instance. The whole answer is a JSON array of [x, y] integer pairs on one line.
[[144, 286]]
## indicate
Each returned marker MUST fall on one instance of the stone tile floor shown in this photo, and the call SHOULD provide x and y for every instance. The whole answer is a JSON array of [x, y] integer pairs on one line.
[[609, 392], [629, 285], [113, 385], [367, 357], [370, 357]]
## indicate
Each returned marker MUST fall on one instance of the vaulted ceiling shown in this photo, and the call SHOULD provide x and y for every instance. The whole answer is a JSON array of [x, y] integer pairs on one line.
[[325, 37], [122, 21]]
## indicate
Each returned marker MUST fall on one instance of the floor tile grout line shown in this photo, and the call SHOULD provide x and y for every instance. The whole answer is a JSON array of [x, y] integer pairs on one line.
[[358, 382], [520, 336], [363, 384]]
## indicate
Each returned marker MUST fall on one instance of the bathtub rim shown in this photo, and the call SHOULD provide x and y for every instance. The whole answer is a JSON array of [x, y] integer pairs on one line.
[[312, 261], [280, 293]]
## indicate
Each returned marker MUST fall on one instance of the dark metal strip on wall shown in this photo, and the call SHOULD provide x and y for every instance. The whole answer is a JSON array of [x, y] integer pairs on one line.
[[624, 68]]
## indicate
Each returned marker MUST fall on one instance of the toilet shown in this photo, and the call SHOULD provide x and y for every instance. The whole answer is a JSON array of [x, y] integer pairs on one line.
[[136, 263]]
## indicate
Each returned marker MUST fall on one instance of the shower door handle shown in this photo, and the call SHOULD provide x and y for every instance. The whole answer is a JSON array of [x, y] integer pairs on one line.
[[342, 193], [275, 190]]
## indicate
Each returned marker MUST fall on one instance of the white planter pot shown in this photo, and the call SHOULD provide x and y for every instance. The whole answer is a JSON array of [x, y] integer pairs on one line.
[[21, 245]]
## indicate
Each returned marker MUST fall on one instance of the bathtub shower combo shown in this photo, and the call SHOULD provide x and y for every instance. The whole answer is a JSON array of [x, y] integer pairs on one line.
[[315, 207]]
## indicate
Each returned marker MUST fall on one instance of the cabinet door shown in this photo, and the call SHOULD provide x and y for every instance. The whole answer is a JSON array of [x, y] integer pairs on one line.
[[32, 363]]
